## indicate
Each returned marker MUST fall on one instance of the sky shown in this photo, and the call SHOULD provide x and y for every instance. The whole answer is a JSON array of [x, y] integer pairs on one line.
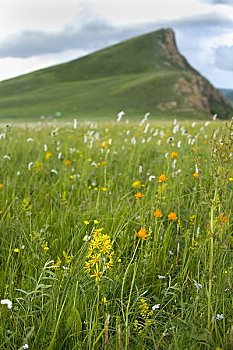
[[35, 34]]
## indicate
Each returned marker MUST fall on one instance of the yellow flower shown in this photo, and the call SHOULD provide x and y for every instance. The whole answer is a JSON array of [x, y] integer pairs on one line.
[[158, 213], [195, 175], [67, 162], [86, 222], [103, 189], [1, 186], [139, 195], [172, 216], [163, 178], [48, 155], [16, 250], [174, 155], [136, 184], [96, 222], [230, 179], [143, 234]]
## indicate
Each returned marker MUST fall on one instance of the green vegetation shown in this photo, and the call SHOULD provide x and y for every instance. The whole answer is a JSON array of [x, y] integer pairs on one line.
[[144, 74], [228, 93], [116, 236]]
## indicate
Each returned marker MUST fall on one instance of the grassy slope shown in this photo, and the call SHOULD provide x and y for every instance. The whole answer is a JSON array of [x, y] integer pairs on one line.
[[134, 76], [229, 94]]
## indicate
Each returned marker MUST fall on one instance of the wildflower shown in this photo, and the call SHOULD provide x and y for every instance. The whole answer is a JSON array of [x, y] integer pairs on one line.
[[67, 162], [54, 171], [163, 178], [174, 155], [48, 155], [155, 307], [158, 213], [7, 302], [25, 346], [143, 234], [151, 177], [139, 195], [96, 222], [160, 277], [86, 222], [195, 175], [100, 254], [197, 285], [86, 238], [222, 219], [136, 184], [103, 189], [1, 186], [219, 317], [45, 247], [172, 216], [16, 250]]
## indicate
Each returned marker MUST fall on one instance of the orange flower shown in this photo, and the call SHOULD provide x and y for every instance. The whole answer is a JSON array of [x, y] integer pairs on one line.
[[158, 213], [67, 162], [139, 195], [172, 216], [163, 178], [174, 155], [222, 219], [143, 234]]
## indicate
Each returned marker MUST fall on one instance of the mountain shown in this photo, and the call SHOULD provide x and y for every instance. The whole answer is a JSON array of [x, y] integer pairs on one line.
[[143, 74], [228, 93]]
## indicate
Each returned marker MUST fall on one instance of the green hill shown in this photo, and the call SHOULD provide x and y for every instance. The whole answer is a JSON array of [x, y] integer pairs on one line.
[[144, 74], [228, 93]]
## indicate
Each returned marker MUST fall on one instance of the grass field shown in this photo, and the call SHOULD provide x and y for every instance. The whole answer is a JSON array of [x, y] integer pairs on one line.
[[116, 236]]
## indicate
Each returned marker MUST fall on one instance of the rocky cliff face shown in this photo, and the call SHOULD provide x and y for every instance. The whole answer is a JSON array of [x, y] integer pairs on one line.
[[198, 93]]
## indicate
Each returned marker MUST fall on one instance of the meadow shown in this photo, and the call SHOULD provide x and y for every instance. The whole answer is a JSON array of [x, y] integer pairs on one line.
[[116, 235]]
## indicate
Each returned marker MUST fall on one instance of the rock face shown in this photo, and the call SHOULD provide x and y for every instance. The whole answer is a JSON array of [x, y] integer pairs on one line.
[[198, 92]]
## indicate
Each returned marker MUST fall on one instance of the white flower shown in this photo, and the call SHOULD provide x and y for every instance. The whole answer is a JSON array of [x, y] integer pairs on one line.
[[7, 302], [30, 139], [45, 148], [197, 285], [120, 115], [86, 238], [7, 157], [53, 171], [75, 125], [161, 277], [155, 307], [25, 346], [140, 169], [30, 165], [151, 177], [219, 317]]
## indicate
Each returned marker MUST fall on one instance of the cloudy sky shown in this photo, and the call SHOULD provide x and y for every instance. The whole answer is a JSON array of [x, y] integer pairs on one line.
[[39, 33]]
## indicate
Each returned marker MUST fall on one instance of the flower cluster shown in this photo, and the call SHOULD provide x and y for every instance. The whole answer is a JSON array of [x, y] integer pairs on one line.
[[145, 316], [100, 254]]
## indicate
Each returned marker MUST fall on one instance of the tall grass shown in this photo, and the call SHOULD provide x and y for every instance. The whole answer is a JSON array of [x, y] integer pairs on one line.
[[116, 236]]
